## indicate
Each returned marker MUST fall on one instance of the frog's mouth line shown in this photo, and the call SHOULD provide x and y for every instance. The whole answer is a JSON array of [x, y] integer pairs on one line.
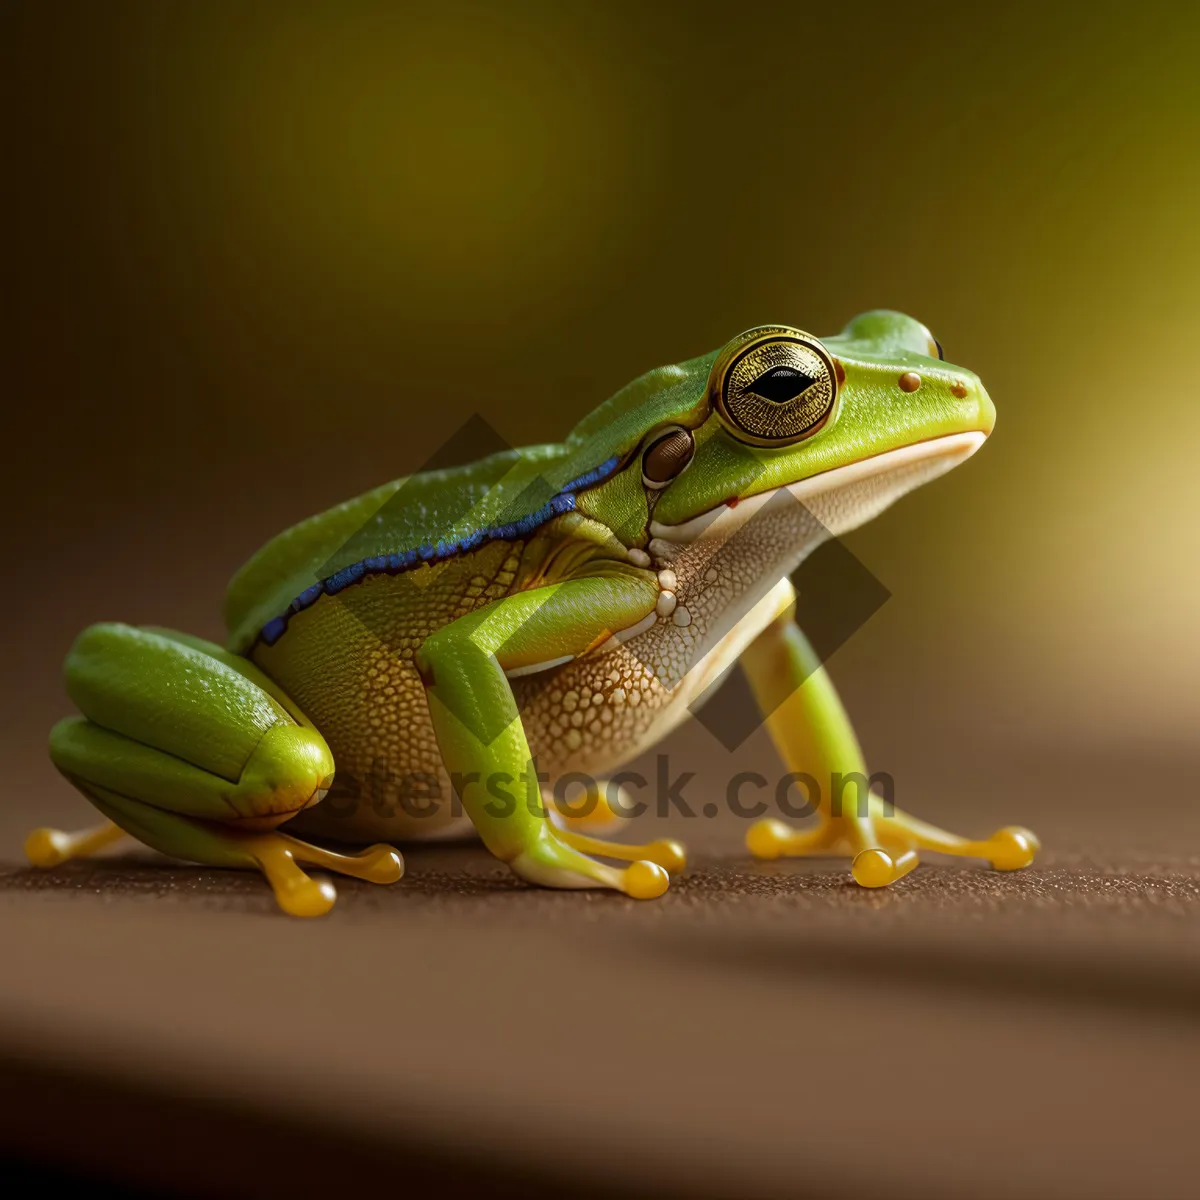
[[938, 455]]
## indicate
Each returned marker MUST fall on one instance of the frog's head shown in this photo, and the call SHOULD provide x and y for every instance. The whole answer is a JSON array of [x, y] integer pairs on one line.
[[846, 424]]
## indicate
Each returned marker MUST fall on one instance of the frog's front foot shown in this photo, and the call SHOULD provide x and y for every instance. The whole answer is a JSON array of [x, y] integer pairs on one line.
[[600, 810], [810, 727], [562, 859], [884, 845]]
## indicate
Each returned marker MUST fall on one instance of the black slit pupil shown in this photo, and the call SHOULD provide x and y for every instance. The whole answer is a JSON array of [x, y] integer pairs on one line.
[[781, 384]]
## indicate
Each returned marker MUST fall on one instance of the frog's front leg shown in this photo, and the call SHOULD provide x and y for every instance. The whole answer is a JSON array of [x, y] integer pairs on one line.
[[813, 734], [483, 743], [196, 753]]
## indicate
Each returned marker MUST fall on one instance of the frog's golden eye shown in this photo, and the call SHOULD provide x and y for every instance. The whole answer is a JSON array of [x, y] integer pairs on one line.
[[666, 453], [773, 385]]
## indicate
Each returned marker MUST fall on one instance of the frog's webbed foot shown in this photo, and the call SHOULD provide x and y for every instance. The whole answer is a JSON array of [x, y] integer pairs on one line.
[[814, 737], [601, 808], [885, 844], [47, 847], [278, 856], [663, 852], [563, 859]]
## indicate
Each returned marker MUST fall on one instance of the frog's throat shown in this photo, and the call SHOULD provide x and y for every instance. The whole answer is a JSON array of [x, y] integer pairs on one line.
[[845, 497]]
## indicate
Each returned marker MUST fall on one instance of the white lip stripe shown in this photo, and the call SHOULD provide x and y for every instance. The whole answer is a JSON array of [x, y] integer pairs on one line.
[[954, 444]]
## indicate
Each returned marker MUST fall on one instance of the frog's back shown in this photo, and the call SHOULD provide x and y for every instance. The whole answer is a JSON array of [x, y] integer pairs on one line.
[[413, 520], [436, 515]]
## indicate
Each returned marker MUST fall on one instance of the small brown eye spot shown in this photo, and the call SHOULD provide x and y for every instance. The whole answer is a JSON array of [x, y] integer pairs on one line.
[[909, 381], [666, 455], [839, 371], [958, 390]]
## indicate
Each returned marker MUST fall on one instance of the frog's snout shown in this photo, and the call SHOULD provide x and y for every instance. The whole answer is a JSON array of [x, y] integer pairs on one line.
[[973, 407], [984, 414], [976, 411]]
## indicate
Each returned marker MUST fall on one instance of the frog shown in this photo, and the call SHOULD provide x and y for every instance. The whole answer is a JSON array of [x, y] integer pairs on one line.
[[425, 660]]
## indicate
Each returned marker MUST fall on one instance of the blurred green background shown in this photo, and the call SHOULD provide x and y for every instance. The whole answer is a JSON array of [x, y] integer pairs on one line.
[[259, 259]]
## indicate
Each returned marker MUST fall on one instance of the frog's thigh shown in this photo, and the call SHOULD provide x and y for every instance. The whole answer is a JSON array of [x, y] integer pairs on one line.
[[813, 735], [483, 743], [182, 746]]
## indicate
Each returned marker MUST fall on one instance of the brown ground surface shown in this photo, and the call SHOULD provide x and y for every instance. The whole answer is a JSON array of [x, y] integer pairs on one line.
[[764, 1029]]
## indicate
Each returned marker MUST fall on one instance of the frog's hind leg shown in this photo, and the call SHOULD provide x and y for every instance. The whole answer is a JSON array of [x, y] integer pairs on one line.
[[814, 736], [194, 752]]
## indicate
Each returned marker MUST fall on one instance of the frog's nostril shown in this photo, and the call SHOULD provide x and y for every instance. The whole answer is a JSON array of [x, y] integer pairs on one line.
[[958, 390]]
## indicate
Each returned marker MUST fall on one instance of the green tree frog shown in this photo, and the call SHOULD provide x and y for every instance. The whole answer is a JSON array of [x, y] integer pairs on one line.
[[474, 632]]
